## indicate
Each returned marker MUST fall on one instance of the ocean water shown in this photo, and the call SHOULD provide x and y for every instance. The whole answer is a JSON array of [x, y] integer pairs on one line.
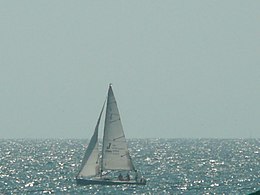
[[171, 166]]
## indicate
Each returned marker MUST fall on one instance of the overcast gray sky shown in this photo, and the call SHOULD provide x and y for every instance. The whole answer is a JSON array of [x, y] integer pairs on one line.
[[180, 69]]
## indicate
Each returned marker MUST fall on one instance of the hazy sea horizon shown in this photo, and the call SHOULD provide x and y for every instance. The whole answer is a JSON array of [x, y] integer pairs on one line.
[[171, 166]]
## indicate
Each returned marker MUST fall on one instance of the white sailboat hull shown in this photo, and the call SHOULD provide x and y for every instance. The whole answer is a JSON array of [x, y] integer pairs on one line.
[[105, 181]]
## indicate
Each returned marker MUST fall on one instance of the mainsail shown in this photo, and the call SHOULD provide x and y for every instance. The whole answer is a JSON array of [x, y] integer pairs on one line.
[[90, 162], [115, 154]]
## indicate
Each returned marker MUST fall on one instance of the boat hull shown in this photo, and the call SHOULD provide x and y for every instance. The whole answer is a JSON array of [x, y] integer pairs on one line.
[[84, 182]]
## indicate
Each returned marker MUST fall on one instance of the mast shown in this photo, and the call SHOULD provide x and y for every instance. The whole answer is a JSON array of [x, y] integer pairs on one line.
[[102, 154]]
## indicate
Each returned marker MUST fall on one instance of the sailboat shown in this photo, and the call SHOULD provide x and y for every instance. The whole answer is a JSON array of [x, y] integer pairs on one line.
[[115, 158]]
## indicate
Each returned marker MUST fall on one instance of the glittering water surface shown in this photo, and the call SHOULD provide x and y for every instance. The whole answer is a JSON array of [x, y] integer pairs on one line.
[[173, 166]]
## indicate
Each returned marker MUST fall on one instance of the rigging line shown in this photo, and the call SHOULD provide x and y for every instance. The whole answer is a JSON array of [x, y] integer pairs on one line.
[[118, 138], [115, 120]]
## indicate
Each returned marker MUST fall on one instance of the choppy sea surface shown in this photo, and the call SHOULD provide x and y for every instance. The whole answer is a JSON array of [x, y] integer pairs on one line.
[[171, 166]]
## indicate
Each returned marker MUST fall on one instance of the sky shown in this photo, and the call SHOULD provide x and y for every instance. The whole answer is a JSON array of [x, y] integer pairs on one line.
[[179, 69]]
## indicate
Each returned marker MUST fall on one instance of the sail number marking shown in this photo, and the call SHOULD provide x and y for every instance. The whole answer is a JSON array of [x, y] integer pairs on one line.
[[109, 146]]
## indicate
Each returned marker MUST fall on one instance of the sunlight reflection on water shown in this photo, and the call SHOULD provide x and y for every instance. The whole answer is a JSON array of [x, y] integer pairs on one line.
[[174, 166]]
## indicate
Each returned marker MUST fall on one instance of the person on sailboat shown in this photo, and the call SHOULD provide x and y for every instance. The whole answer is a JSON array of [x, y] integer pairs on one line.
[[127, 177], [142, 180], [136, 175], [120, 177]]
